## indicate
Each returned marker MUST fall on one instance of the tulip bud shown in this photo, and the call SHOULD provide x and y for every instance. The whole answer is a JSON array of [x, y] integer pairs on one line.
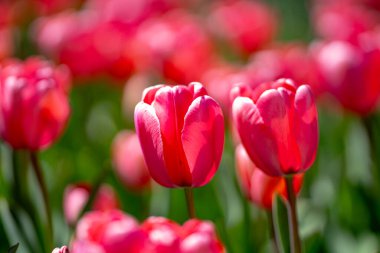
[[181, 132], [76, 196], [129, 161], [258, 187], [34, 106], [63, 249], [278, 126]]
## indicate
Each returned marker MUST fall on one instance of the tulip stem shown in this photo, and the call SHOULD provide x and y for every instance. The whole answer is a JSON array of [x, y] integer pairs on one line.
[[292, 216], [272, 232], [190, 202], [41, 181]]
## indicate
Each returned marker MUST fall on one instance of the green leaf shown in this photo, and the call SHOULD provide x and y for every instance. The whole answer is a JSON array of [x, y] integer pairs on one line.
[[280, 218], [13, 249]]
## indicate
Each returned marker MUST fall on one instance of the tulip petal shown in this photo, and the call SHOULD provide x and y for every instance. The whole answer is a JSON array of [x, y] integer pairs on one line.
[[275, 107], [150, 92], [306, 125], [148, 130], [256, 136], [171, 105], [203, 139]]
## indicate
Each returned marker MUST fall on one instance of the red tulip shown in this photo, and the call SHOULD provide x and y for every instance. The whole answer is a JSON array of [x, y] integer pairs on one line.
[[63, 249], [181, 132], [247, 25], [278, 126], [76, 196], [256, 185], [129, 161], [350, 73], [108, 232], [34, 105]]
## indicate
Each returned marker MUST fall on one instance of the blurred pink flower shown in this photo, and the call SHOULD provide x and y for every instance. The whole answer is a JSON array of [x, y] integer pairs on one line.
[[128, 161], [350, 72], [247, 25], [175, 45], [181, 132], [76, 196], [34, 106], [108, 232]]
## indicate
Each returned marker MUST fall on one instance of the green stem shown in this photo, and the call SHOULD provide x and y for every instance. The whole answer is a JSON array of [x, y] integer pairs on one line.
[[272, 231], [190, 202], [41, 182], [292, 216]]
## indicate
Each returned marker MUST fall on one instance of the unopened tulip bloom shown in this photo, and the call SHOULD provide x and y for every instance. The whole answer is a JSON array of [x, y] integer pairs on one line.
[[257, 186], [278, 126], [34, 106], [129, 161], [181, 132], [76, 197], [63, 249]]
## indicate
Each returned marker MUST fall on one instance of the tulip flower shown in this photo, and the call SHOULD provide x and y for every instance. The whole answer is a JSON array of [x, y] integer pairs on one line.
[[257, 186], [349, 73], [34, 106], [278, 126], [108, 232], [76, 197], [63, 249], [181, 132], [247, 25], [129, 161]]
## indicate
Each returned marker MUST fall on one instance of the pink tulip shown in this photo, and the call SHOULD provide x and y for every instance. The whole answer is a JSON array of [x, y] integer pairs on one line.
[[63, 249], [181, 132], [200, 237], [34, 106], [129, 161], [108, 232], [278, 126], [258, 187], [76, 196], [350, 73], [247, 25], [163, 235]]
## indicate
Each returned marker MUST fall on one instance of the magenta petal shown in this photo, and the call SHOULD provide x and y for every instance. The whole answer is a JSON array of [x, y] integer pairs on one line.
[[306, 125], [256, 137], [148, 130], [203, 139], [150, 92]]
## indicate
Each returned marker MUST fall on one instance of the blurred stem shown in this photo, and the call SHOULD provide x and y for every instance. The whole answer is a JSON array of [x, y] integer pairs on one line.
[[272, 231], [21, 196], [292, 216], [190, 202], [41, 181]]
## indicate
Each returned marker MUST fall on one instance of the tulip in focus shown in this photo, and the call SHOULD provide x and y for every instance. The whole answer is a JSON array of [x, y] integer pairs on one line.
[[76, 197], [278, 126], [129, 161], [258, 187], [181, 132], [63, 249], [34, 106]]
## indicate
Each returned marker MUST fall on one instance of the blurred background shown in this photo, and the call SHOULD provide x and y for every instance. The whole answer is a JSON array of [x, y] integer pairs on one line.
[[116, 48]]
